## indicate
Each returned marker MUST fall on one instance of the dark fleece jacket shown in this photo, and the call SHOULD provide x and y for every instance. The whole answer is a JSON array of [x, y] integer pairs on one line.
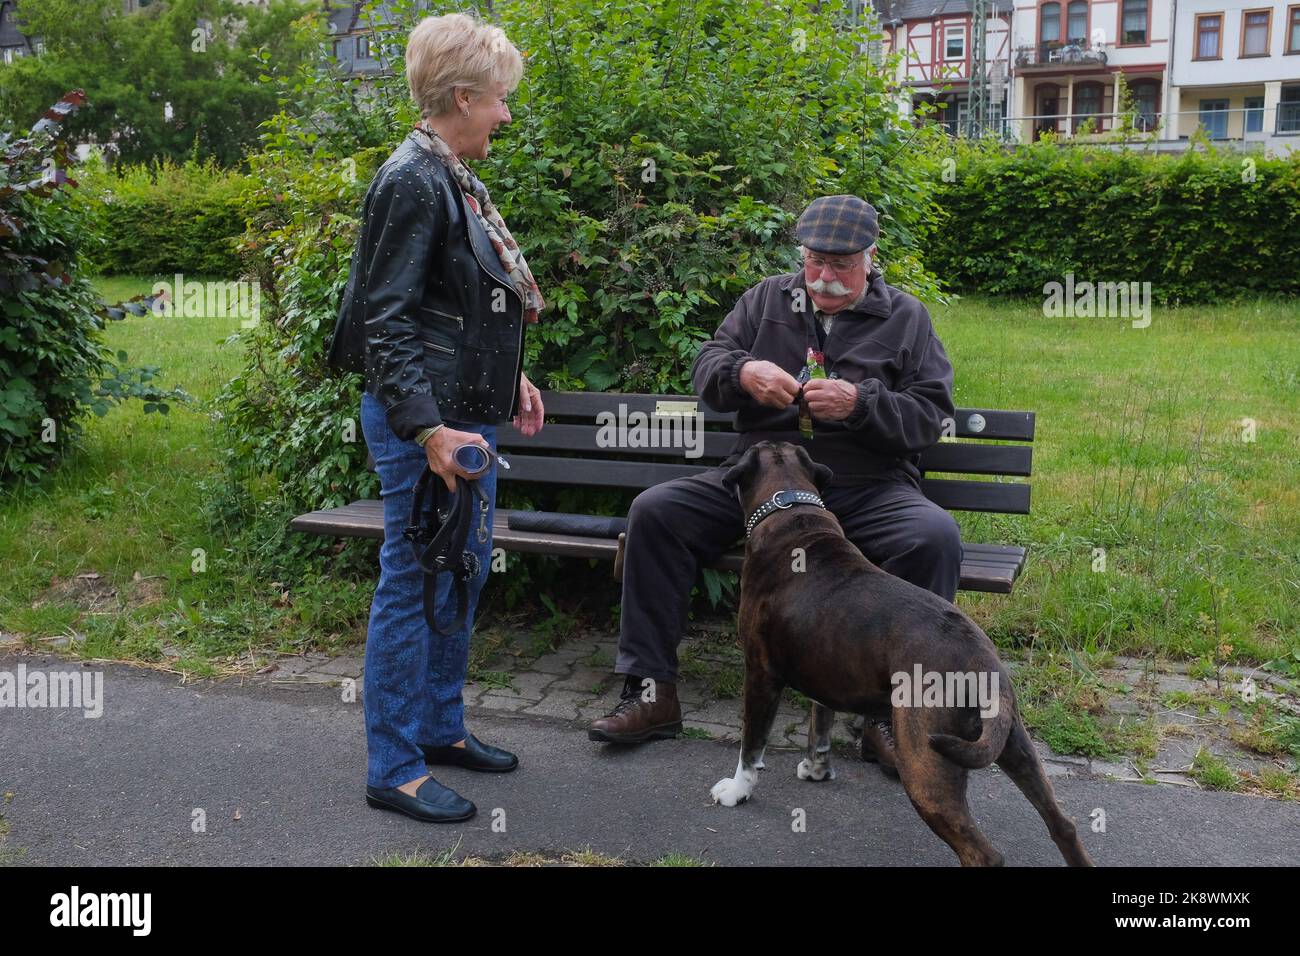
[[886, 346]]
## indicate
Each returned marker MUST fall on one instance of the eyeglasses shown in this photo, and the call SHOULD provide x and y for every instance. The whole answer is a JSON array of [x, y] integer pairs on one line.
[[836, 264]]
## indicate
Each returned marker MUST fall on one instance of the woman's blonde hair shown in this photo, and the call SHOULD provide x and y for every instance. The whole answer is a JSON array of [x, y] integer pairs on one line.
[[457, 50]]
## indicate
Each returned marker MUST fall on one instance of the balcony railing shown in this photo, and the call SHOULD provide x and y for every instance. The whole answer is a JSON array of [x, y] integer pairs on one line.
[[1056, 53], [1238, 125], [1141, 127]]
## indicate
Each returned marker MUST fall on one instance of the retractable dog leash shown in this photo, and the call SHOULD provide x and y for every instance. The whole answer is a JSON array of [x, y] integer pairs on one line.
[[439, 530]]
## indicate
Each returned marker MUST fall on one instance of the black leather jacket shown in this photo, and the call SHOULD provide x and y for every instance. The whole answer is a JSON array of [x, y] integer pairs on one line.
[[428, 314]]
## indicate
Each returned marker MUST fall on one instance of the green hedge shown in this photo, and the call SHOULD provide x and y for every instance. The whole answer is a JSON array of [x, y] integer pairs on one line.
[[1203, 225], [165, 218]]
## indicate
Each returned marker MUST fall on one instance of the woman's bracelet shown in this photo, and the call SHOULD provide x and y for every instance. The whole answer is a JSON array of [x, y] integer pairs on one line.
[[423, 436]]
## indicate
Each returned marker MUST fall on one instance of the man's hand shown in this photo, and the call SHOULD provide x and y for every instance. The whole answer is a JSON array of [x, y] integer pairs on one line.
[[439, 448], [529, 419], [830, 399], [768, 383]]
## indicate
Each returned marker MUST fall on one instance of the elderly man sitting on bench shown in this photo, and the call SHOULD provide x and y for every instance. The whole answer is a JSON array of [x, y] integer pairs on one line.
[[885, 397]]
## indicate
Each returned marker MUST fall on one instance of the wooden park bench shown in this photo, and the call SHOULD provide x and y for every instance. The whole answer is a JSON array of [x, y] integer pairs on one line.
[[567, 452]]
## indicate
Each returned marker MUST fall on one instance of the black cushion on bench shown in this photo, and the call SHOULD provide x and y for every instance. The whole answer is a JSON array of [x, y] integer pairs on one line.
[[594, 526]]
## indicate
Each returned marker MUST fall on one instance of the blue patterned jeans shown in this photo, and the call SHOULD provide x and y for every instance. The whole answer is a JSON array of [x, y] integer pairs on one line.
[[413, 677]]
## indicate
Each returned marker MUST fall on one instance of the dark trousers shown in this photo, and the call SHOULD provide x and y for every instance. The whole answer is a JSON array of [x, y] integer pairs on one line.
[[677, 527]]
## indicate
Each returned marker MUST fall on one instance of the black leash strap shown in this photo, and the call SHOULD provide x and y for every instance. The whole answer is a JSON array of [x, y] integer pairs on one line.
[[438, 532]]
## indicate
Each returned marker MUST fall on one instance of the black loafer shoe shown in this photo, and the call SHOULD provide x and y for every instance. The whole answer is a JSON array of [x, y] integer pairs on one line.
[[475, 755], [432, 803]]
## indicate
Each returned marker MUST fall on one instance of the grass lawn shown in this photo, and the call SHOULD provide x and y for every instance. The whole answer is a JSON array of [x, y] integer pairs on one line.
[[1140, 452], [133, 507], [1144, 450]]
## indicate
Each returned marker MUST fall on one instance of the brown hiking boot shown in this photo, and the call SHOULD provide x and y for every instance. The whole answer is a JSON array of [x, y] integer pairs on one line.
[[878, 745], [635, 720]]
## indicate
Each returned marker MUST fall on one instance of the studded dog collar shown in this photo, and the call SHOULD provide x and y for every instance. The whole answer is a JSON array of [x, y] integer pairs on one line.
[[779, 501]]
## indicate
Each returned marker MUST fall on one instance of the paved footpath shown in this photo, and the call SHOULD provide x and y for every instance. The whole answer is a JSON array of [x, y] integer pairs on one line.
[[277, 772]]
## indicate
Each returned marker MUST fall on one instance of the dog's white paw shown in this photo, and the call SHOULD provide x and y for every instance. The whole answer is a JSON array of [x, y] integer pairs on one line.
[[807, 771], [729, 791]]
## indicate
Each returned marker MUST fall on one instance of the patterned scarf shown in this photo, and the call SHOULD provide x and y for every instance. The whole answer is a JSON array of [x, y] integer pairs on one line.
[[507, 250]]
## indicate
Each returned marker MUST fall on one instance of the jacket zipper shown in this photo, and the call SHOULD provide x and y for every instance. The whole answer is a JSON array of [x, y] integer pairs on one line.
[[458, 319], [430, 343]]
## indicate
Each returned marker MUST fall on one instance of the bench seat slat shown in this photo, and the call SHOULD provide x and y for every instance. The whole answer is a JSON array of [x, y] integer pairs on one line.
[[365, 519]]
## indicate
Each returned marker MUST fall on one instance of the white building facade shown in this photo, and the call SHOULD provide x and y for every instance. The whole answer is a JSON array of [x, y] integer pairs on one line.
[[1147, 70]]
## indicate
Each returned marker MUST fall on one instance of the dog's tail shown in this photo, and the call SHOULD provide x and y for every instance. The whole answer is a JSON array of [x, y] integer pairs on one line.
[[974, 754]]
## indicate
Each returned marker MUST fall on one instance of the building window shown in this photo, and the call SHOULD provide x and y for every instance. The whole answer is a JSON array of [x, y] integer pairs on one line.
[[1092, 100], [363, 48], [1209, 32], [338, 49], [1214, 117], [1256, 25], [1076, 30], [1254, 114], [1288, 111], [8, 54], [1049, 27], [1146, 104], [1133, 29], [1293, 30], [954, 43]]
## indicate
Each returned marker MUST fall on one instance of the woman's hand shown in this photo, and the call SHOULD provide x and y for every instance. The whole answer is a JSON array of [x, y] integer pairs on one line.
[[439, 449], [529, 419]]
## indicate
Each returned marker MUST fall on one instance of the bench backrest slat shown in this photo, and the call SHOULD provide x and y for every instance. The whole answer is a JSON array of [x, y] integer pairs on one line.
[[953, 494], [967, 458], [993, 424]]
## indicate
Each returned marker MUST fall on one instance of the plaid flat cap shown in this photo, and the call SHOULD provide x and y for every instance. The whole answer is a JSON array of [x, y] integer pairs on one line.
[[838, 225]]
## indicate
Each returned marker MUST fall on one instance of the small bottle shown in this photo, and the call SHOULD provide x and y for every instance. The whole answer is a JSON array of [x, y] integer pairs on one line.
[[813, 368]]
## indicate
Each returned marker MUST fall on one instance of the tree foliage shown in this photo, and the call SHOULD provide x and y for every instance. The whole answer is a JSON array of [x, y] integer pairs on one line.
[[220, 80]]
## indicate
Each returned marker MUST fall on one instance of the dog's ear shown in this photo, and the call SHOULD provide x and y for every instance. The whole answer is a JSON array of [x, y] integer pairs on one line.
[[820, 474], [741, 470]]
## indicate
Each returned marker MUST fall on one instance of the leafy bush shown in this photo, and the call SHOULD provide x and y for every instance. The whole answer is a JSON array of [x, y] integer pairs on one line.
[[163, 218], [1202, 225], [658, 157], [53, 367]]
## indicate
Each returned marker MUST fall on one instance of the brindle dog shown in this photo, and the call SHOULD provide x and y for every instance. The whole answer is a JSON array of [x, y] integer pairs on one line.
[[817, 616]]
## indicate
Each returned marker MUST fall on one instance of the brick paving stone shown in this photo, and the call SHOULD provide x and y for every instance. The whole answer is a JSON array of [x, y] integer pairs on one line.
[[1047, 753], [342, 667], [1054, 769], [288, 667], [722, 712], [1117, 771], [596, 707], [716, 731], [1175, 683], [531, 685], [553, 664], [584, 678], [493, 700], [559, 703]]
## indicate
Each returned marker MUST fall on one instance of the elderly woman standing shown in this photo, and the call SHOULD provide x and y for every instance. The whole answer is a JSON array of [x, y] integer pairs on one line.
[[434, 314]]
